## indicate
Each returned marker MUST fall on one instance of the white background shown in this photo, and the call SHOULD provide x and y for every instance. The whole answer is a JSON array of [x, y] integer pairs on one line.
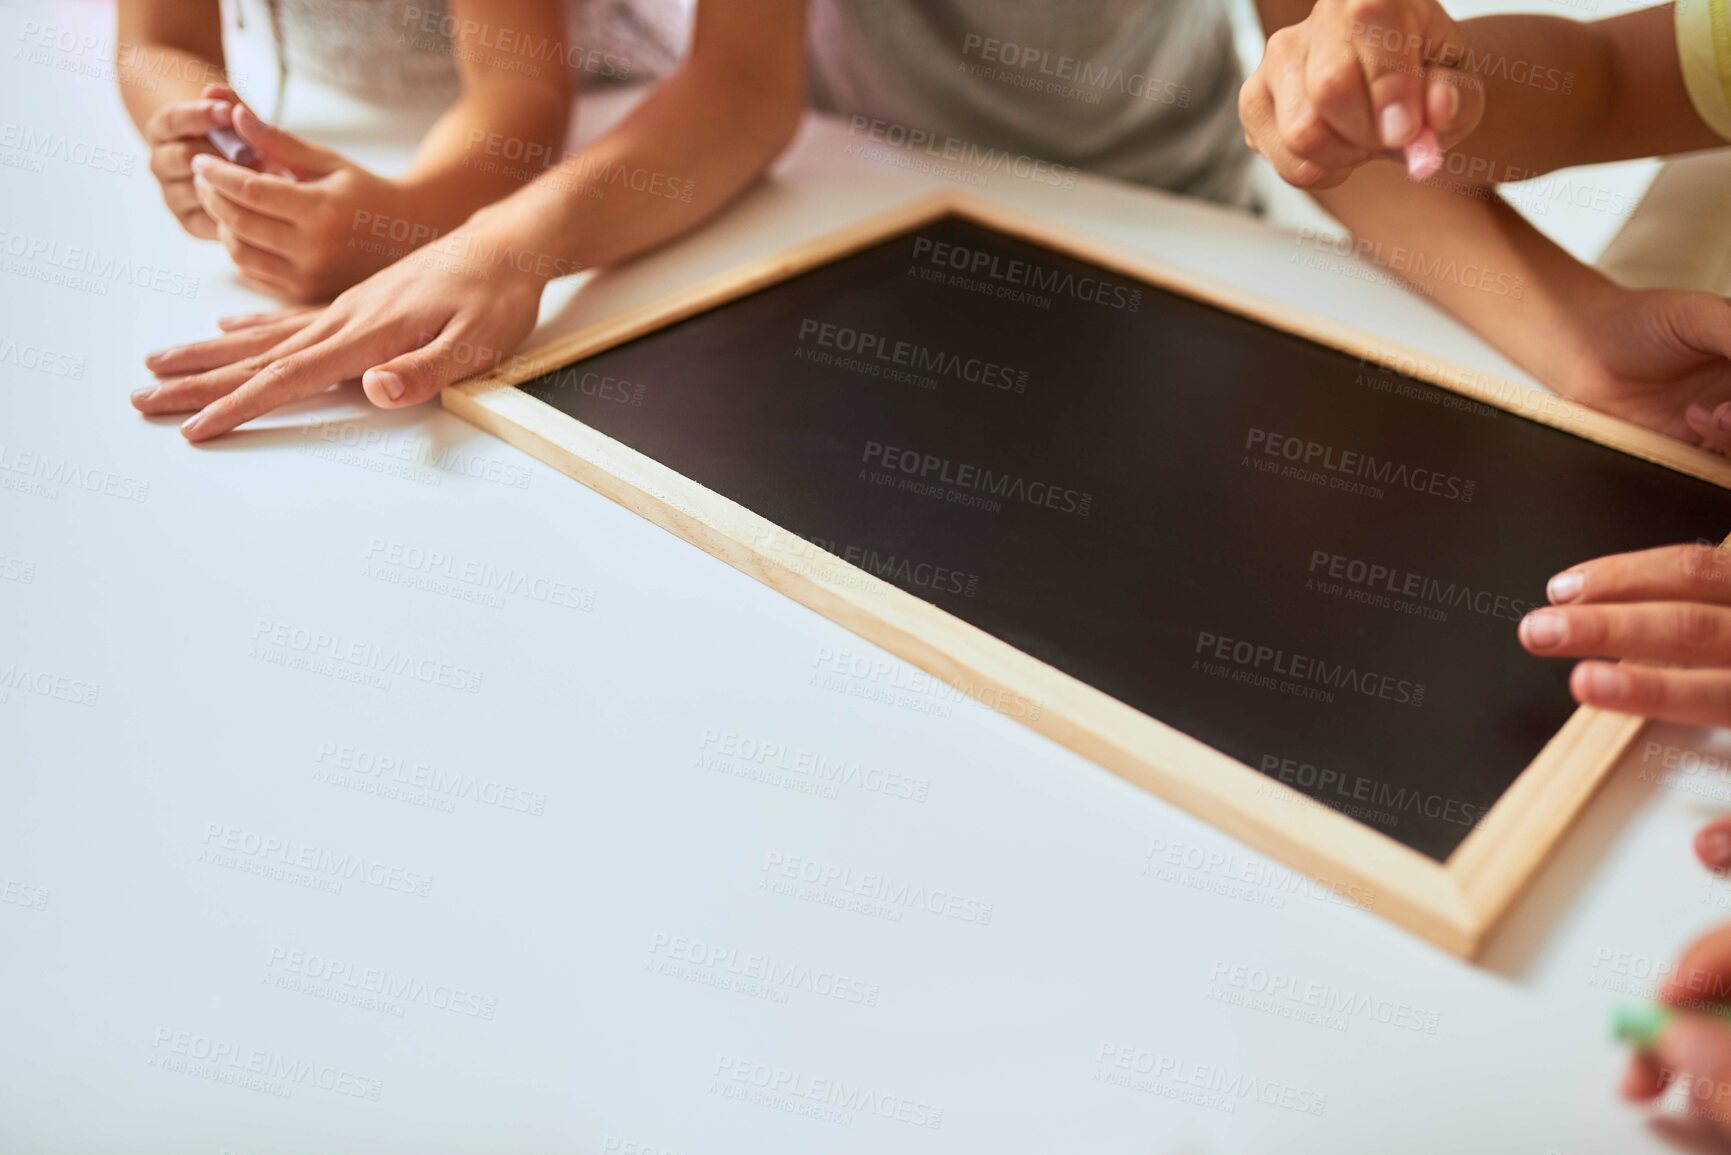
[[149, 578]]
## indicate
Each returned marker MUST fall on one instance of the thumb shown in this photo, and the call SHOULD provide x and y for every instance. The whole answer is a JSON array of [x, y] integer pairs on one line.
[[1703, 322], [283, 152], [1696, 1052], [418, 376]]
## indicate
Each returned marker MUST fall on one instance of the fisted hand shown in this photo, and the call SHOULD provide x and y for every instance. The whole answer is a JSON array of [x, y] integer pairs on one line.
[[1356, 81]]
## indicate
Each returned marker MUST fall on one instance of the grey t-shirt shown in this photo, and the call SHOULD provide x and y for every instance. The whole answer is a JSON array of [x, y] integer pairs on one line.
[[1143, 90]]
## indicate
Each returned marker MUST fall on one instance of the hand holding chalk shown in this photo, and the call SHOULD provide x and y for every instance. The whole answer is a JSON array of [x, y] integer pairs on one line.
[[234, 150]]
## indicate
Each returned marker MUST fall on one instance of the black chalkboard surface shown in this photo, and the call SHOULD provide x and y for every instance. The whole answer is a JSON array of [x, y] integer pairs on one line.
[[1305, 561]]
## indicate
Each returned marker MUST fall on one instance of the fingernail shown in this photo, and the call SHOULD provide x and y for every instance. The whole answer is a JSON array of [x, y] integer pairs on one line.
[[1543, 630], [202, 161], [1722, 418], [1396, 125], [1699, 416], [221, 111], [189, 427], [389, 382], [1606, 683], [1713, 848], [140, 396], [1565, 587], [161, 354], [1453, 102]]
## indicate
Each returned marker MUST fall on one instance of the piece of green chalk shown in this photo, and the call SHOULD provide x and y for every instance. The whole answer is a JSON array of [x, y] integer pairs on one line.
[[1639, 1024]]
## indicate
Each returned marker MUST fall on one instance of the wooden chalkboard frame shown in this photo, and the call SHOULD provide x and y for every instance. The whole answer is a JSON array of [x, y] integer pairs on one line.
[[1453, 904]]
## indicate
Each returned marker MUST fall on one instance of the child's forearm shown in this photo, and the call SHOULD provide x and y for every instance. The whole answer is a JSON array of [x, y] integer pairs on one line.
[[510, 121], [1480, 261], [1563, 92], [481, 150], [165, 53], [700, 139]]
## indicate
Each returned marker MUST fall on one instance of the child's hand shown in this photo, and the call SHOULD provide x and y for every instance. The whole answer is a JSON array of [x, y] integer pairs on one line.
[[1355, 81], [448, 311], [1666, 612], [1660, 358], [1693, 1047], [311, 223], [176, 134]]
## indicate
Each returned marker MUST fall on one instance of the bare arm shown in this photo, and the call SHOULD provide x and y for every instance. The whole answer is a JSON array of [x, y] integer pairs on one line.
[[454, 307], [166, 51], [1565, 92], [1652, 358], [516, 102], [699, 140]]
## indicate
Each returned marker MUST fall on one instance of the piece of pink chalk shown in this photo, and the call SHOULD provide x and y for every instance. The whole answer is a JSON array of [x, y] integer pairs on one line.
[[1423, 156]]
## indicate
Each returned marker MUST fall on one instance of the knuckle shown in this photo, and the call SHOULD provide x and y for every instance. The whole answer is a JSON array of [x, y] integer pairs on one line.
[[1308, 133], [1697, 626], [1338, 84]]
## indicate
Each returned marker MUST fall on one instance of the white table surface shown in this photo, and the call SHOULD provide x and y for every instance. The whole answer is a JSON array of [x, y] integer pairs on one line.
[[564, 890]]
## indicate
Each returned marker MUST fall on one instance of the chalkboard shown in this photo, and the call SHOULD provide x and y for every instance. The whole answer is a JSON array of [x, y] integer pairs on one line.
[[1302, 558]]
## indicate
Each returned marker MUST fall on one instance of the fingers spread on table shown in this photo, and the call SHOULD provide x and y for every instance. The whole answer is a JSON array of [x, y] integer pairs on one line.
[[201, 356], [193, 391], [1695, 572], [1690, 633], [1689, 697], [323, 361]]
